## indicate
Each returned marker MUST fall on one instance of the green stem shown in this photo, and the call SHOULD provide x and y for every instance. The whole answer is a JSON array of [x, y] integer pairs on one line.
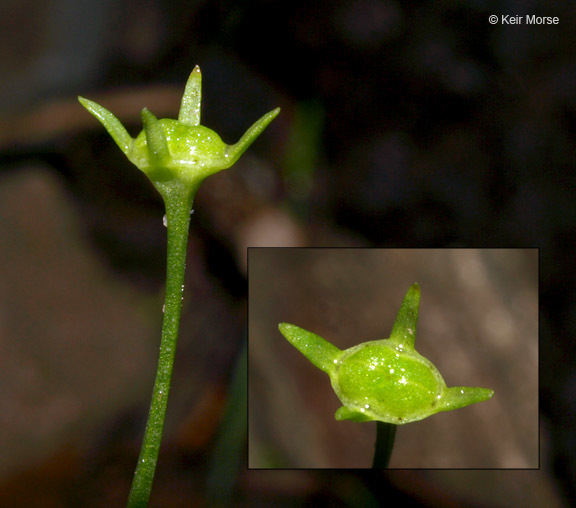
[[385, 433], [178, 200]]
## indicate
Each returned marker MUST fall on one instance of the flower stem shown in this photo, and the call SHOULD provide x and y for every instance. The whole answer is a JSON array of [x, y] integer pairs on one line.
[[385, 433], [178, 200]]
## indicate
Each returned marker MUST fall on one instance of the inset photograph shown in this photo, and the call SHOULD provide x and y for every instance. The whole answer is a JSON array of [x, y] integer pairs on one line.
[[393, 358]]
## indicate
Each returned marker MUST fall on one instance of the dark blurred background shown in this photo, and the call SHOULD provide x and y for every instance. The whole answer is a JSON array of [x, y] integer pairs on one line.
[[403, 124]]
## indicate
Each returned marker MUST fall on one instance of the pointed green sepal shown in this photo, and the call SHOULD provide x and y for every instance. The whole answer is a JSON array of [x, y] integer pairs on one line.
[[234, 152], [319, 351], [456, 397], [111, 123], [155, 140], [404, 330], [345, 413], [192, 99]]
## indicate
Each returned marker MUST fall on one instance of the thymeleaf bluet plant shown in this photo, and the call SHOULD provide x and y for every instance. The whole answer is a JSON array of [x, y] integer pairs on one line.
[[176, 155]]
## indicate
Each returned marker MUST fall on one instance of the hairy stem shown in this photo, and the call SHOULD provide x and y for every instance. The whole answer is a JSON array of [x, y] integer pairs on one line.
[[178, 200]]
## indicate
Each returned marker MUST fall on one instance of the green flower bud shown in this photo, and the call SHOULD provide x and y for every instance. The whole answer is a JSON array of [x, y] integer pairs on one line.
[[182, 149], [385, 380]]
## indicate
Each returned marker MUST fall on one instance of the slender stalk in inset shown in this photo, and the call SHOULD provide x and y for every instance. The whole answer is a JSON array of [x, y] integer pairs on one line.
[[385, 433]]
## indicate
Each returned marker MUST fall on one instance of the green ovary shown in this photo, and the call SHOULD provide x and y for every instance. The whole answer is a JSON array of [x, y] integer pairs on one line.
[[387, 384], [193, 149]]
